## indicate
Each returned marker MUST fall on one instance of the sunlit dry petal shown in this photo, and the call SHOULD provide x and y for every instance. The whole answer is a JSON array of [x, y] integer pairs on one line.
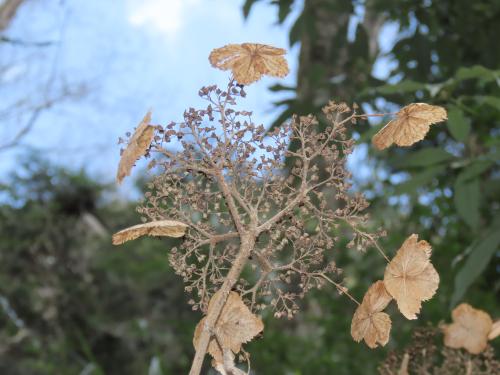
[[495, 331], [469, 330], [137, 146], [249, 61], [163, 228], [369, 322], [235, 326], [411, 125], [410, 277]]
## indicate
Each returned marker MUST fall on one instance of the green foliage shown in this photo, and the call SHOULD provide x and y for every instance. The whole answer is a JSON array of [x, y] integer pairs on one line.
[[447, 187], [458, 124], [70, 302], [482, 250]]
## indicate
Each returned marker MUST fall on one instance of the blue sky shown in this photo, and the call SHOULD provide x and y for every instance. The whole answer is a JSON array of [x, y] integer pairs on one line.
[[118, 59], [126, 57]]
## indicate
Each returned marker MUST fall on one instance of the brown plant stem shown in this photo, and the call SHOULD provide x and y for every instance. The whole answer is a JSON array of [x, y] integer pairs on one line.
[[247, 244]]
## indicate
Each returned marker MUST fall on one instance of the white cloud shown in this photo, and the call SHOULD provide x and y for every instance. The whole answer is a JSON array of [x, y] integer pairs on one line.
[[165, 16]]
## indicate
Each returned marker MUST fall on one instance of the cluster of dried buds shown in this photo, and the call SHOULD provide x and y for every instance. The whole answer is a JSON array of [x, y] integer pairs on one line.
[[261, 213]]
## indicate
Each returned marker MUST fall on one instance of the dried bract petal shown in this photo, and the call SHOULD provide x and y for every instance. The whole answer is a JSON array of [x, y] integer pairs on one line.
[[163, 228], [411, 125], [469, 330], [235, 326], [410, 277], [495, 331], [139, 143], [249, 61], [369, 322]]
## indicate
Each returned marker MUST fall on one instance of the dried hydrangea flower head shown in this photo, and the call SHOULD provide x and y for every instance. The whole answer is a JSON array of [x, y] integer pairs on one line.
[[411, 125], [469, 330], [249, 61], [258, 232], [224, 161]]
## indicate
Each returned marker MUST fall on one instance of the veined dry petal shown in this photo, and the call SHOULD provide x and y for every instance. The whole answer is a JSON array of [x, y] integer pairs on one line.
[[369, 322], [163, 228], [137, 146], [410, 277], [411, 125], [249, 61], [235, 326], [469, 330]]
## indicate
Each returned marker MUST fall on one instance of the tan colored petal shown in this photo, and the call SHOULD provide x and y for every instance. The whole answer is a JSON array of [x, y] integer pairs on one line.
[[137, 146], [469, 330], [249, 61], [495, 331], [368, 322], [410, 277], [163, 228], [235, 326], [411, 125]]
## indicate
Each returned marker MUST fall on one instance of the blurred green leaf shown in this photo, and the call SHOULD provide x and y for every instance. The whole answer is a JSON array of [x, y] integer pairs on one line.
[[475, 264], [279, 87], [403, 87], [247, 7], [492, 101], [418, 180], [475, 169], [476, 71], [296, 30], [467, 200], [284, 9], [458, 124], [423, 158]]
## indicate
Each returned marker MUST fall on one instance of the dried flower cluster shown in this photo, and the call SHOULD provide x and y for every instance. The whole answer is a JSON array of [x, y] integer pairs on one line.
[[426, 356], [259, 233], [290, 215], [409, 278]]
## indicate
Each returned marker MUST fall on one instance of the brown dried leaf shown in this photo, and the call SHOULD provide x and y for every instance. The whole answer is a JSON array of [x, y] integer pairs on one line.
[[469, 329], [164, 228], [495, 330], [410, 277], [137, 146], [235, 326], [249, 61], [369, 322], [411, 125]]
